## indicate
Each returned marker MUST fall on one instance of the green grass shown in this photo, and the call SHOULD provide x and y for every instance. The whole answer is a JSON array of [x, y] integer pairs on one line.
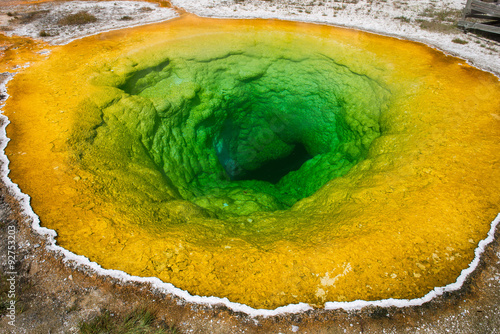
[[403, 19], [459, 41], [140, 320], [79, 18]]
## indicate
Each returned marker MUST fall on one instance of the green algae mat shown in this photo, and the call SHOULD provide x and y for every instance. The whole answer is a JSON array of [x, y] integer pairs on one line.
[[263, 161]]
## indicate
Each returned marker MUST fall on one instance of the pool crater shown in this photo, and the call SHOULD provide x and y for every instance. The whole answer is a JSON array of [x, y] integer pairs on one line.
[[254, 129]]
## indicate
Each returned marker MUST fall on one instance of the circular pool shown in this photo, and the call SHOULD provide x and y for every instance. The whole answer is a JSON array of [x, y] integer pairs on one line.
[[268, 162]]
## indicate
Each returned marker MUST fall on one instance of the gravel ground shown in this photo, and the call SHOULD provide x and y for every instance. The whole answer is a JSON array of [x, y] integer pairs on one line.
[[53, 296]]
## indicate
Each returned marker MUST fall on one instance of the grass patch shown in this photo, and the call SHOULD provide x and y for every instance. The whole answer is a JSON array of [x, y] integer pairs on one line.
[[126, 18], [140, 320], [450, 16], [459, 41], [29, 17], [79, 18], [44, 33], [437, 26], [442, 21], [145, 9], [403, 19], [7, 296]]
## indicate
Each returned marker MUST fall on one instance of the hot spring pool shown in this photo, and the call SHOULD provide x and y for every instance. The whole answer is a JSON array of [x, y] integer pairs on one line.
[[268, 162]]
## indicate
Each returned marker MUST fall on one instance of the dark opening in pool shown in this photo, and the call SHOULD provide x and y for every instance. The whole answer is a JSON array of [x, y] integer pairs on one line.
[[272, 171]]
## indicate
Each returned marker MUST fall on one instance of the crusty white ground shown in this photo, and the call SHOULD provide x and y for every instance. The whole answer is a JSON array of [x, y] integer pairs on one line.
[[109, 17]]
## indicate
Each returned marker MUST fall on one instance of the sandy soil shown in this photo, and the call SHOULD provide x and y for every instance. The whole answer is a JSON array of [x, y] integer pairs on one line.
[[54, 296]]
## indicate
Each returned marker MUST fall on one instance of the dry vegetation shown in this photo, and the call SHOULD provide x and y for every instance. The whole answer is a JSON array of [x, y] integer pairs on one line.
[[24, 18], [79, 18], [442, 21], [140, 320]]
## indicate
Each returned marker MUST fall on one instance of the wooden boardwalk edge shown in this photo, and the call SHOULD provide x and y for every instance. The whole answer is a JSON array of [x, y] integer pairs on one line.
[[489, 9], [482, 10]]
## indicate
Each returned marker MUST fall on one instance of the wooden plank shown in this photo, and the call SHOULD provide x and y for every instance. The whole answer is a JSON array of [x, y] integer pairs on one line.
[[490, 9], [479, 26], [467, 10], [483, 16]]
